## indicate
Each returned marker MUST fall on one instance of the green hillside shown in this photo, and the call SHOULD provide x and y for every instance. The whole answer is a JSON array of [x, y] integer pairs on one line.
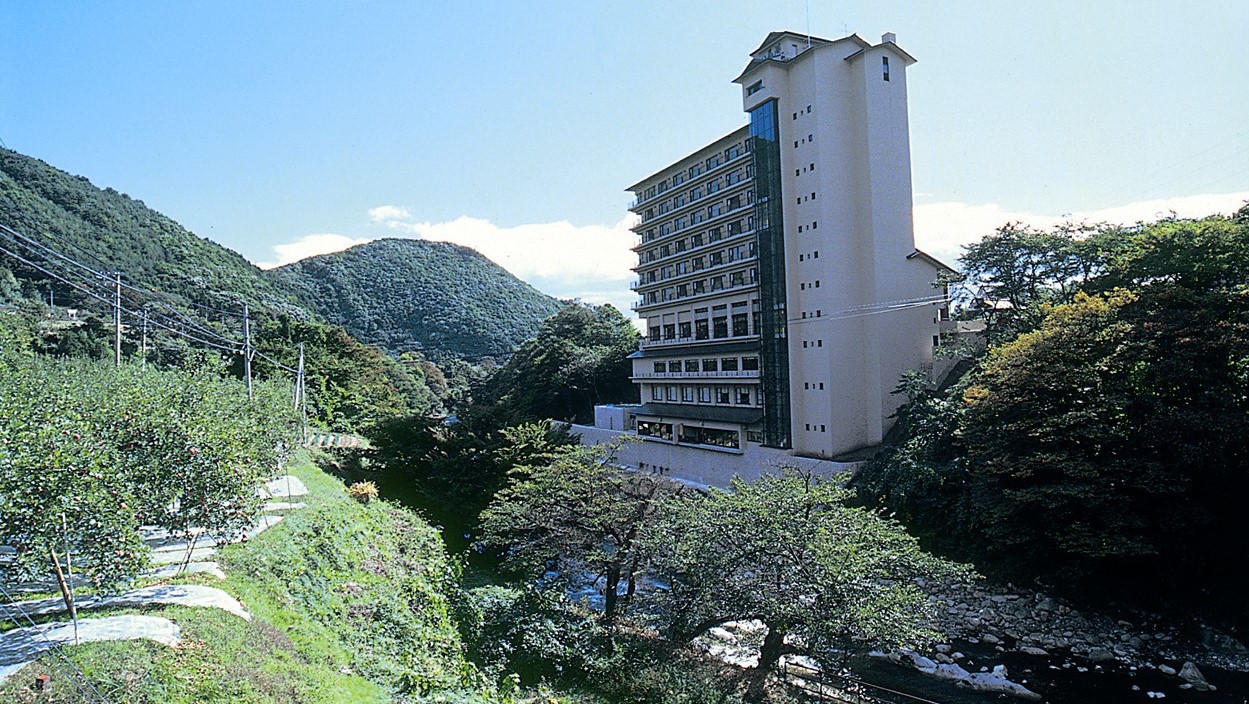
[[404, 295], [107, 229]]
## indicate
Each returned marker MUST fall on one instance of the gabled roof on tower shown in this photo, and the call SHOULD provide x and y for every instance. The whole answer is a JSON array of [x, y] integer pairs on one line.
[[774, 38]]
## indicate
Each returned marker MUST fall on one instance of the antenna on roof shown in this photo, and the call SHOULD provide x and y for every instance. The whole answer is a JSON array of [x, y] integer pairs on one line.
[[808, 6]]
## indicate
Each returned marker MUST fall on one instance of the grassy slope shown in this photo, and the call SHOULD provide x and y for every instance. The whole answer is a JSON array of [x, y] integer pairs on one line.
[[348, 604]]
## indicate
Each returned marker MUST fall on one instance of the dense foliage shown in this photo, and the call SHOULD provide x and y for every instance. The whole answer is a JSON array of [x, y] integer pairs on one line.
[[578, 512], [579, 358], [1101, 449], [111, 449], [405, 295], [351, 386], [784, 550], [787, 550]]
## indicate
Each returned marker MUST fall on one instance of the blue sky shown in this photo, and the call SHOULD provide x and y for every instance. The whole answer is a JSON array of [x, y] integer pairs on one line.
[[284, 128]]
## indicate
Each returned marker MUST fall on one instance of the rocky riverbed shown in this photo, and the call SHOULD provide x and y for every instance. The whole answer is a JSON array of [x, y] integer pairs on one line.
[[1049, 644]]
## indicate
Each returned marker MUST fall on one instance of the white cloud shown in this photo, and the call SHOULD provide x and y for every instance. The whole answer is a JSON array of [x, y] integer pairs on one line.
[[593, 262], [310, 246], [388, 213], [941, 229]]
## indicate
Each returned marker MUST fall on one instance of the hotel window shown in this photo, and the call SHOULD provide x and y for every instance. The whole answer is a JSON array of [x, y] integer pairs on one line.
[[660, 367], [722, 394], [654, 332], [683, 329], [728, 364], [884, 66], [687, 394], [701, 329], [754, 88], [743, 396], [670, 331], [704, 394], [674, 367], [720, 327], [691, 365], [683, 290], [657, 393], [672, 393], [750, 364], [739, 325], [711, 365]]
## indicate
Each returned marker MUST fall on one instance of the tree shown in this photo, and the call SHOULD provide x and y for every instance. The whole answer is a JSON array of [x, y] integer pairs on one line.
[[786, 550], [577, 512], [578, 359], [351, 386]]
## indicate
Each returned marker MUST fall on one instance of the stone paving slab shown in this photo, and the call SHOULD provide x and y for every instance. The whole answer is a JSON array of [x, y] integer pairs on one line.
[[20, 646], [181, 594], [207, 567], [284, 506], [285, 487]]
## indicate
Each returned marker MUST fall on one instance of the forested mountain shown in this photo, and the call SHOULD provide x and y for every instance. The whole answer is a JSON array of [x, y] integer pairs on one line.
[[109, 230], [402, 295], [405, 295]]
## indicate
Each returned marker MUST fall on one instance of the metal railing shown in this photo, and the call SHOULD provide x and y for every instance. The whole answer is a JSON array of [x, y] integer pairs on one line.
[[828, 687]]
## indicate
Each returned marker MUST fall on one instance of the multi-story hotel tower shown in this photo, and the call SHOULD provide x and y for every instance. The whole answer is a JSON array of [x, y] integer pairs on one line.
[[779, 281]]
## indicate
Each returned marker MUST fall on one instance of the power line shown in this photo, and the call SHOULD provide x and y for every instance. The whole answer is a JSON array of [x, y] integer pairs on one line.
[[84, 685]]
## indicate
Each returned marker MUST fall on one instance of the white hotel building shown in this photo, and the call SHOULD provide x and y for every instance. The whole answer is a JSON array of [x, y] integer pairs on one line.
[[777, 272]]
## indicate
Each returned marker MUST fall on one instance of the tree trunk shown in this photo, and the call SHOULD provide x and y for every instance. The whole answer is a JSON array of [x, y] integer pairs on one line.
[[769, 656], [610, 594]]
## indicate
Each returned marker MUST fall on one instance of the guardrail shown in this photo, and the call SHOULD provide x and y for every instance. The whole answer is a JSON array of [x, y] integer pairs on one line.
[[828, 687]]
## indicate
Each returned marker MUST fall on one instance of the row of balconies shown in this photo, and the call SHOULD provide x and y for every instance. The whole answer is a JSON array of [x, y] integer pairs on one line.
[[694, 273], [729, 190], [660, 342], [641, 304], [739, 374], [713, 221], [690, 182]]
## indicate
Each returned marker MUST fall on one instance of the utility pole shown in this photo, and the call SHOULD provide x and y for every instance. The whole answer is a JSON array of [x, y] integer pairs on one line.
[[117, 318], [299, 376], [247, 351], [144, 357]]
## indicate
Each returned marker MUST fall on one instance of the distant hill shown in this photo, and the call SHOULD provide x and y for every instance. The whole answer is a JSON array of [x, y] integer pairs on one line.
[[403, 294], [400, 295], [107, 229]]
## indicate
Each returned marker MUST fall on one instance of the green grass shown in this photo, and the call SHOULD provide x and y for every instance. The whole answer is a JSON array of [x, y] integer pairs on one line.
[[349, 603]]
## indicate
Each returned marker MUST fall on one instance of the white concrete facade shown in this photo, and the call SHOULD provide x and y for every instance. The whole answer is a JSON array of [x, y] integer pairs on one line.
[[860, 307]]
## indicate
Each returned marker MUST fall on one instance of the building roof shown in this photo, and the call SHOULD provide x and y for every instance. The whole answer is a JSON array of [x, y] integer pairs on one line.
[[926, 257], [891, 45], [717, 414], [687, 350], [743, 131], [773, 36]]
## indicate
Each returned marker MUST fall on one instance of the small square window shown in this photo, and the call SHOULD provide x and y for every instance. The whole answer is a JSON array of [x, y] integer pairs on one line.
[[884, 67], [819, 343], [811, 138], [808, 108], [815, 225], [813, 166]]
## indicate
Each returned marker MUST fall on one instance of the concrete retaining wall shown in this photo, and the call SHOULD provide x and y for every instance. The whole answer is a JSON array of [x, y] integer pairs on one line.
[[704, 466]]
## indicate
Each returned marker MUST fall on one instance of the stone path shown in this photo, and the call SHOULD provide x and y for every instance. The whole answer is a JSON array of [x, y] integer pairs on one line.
[[20, 646], [181, 594]]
